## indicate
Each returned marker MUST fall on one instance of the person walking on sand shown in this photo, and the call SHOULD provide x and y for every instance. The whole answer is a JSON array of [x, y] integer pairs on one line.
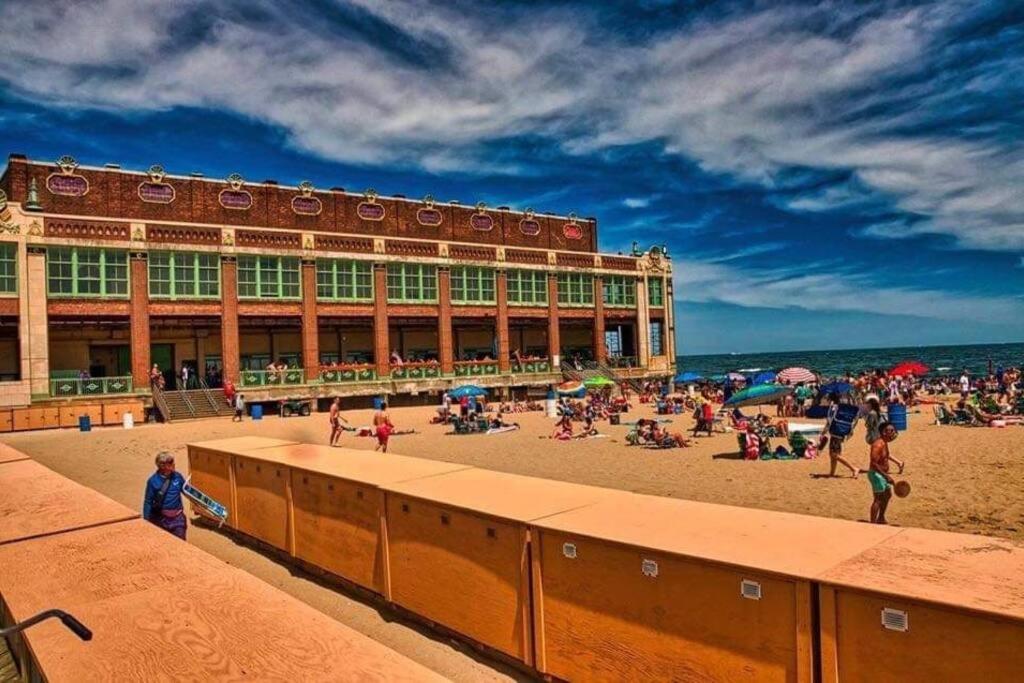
[[383, 426], [336, 419], [239, 408], [879, 477], [161, 502], [838, 426]]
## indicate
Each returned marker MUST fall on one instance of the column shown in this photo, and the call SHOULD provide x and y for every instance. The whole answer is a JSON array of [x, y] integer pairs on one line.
[[229, 347], [600, 352], [35, 331], [554, 338], [643, 325], [445, 339], [501, 322], [310, 322], [381, 353], [670, 322], [138, 312]]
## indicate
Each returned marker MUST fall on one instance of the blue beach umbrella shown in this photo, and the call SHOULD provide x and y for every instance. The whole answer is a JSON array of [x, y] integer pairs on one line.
[[468, 390], [836, 388], [762, 393], [689, 377], [762, 378]]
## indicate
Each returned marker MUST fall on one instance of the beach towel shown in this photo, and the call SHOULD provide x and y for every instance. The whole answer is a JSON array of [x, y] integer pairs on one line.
[[502, 430]]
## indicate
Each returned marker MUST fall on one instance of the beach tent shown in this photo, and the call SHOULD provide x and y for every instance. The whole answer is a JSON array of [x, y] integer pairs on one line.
[[598, 382], [468, 390], [761, 378], [763, 393], [687, 377], [796, 375], [910, 367]]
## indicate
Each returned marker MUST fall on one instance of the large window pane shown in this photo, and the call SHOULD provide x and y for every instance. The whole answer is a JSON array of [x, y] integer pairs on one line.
[[575, 289], [8, 268], [85, 272], [412, 282]]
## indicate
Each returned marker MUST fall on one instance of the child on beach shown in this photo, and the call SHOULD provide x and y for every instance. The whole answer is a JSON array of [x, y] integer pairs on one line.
[[878, 475], [336, 420], [383, 426]]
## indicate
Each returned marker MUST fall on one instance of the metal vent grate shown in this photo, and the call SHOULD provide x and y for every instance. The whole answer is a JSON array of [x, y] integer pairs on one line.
[[751, 590], [895, 620], [649, 568], [569, 550]]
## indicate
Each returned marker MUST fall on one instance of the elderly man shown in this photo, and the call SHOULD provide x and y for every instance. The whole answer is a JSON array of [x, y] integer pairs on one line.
[[162, 504]]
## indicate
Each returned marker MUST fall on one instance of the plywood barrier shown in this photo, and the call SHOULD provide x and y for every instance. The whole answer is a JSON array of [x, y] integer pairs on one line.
[[458, 550], [20, 419], [9, 454], [161, 609], [6, 420], [650, 588], [925, 606], [113, 413], [69, 414], [36, 501]]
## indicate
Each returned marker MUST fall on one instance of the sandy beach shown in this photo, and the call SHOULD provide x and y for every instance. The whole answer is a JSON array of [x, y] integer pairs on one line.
[[964, 479]]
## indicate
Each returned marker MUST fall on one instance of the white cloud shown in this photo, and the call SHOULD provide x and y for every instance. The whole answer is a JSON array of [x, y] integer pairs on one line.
[[751, 96], [636, 202]]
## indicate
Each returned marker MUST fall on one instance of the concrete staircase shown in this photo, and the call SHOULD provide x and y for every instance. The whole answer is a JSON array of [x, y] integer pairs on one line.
[[191, 404]]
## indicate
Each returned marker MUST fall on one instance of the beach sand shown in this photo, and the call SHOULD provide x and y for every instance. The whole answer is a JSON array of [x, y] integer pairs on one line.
[[964, 479]]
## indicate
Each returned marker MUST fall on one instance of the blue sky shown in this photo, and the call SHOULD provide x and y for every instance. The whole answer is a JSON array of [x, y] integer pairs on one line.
[[826, 175]]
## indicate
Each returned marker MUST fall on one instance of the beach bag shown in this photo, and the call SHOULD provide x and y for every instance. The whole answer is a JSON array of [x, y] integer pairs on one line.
[[844, 420]]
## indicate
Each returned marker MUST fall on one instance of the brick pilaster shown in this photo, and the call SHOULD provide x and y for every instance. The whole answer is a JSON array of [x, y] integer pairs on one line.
[[310, 322], [33, 322], [139, 320], [501, 322], [600, 352], [554, 337], [229, 345], [445, 336], [381, 352]]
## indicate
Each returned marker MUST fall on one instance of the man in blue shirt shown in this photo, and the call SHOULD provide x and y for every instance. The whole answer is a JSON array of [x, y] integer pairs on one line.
[[162, 503]]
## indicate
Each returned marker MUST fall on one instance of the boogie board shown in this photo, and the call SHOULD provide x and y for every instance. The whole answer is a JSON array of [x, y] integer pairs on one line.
[[204, 503]]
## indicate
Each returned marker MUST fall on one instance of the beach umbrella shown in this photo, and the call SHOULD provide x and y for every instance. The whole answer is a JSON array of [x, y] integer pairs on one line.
[[598, 382], [836, 388], [762, 378], [467, 390], [910, 367], [763, 393], [796, 375], [685, 377], [717, 378], [571, 387]]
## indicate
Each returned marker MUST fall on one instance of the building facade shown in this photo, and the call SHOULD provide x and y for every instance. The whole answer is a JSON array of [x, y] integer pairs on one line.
[[105, 272]]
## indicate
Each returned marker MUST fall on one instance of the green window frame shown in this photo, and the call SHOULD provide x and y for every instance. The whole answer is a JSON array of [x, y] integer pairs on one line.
[[575, 289], [412, 283], [655, 292], [81, 272], [619, 291], [184, 275], [8, 268], [527, 288], [473, 285], [269, 277], [344, 280]]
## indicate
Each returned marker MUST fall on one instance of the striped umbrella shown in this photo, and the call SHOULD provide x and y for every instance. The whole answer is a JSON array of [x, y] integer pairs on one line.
[[796, 375]]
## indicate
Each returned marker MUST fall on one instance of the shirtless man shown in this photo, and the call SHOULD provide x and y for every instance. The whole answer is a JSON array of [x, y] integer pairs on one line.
[[383, 426], [336, 420], [878, 474]]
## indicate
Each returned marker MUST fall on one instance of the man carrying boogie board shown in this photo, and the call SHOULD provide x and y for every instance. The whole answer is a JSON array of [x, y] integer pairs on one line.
[[162, 504], [838, 426]]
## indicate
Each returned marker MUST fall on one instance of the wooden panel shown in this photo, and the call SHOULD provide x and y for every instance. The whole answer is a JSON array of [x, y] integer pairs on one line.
[[261, 501], [605, 619], [69, 414], [940, 645], [239, 444], [9, 454], [37, 501], [355, 465], [210, 472], [6, 420], [337, 527], [20, 417], [465, 573], [113, 413]]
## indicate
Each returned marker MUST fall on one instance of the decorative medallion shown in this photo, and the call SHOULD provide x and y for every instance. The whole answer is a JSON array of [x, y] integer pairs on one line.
[[480, 220], [234, 197], [572, 230], [35, 229], [369, 209], [155, 190], [306, 204], [529, 225], [67, 183], [308, 242], [228, 238], [429, 215], [138, 234], [7, 223]]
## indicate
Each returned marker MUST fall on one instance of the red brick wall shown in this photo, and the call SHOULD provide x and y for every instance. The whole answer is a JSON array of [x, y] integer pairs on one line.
[[139, 275], [310, 323], [444, 320], [554, 336], [230, 350], [501, 290], [600, 352], [382, 354]]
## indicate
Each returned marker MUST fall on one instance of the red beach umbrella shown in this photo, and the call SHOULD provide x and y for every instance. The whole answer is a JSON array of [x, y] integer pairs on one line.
[[796, 375], [910, 367]]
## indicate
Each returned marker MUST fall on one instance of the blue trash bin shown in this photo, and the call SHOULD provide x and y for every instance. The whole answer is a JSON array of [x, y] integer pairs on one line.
[[256, 411], [84, 423], [898, 416]]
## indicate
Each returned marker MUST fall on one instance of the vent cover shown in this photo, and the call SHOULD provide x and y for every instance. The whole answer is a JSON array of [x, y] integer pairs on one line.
[[895, 620], [649, 568], [751, 590], [569, 550]]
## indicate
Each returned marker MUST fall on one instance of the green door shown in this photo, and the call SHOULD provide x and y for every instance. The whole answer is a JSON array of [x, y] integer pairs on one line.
[[163, 356]]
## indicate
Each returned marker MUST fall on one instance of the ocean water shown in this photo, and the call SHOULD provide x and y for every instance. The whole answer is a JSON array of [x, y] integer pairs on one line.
[[941, 359]]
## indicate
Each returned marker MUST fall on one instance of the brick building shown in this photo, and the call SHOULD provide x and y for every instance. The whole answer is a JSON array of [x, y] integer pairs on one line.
[[104, 272]]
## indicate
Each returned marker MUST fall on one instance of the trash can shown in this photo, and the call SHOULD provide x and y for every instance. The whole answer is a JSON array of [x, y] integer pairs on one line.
[[84, 423], [256, 411], [898, 416], [128, 420]]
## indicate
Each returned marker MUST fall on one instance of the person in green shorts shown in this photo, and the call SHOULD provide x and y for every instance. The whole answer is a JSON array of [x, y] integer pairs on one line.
[[878, 474]]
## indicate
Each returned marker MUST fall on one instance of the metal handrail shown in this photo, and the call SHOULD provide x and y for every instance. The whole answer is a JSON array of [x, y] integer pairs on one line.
[[76, 627]]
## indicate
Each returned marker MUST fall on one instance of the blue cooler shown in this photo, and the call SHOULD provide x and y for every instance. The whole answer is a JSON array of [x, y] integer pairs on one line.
[[84, 423], [898, 416], [256, 411]]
